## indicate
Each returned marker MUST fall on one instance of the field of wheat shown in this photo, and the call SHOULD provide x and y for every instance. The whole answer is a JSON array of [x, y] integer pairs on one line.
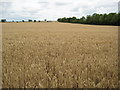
[[52, 55]]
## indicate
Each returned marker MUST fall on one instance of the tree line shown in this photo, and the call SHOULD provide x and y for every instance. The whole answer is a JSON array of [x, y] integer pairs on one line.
[[4, 20], [95, 19]]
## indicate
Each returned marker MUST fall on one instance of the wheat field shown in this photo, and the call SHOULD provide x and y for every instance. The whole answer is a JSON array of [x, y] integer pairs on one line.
[[59, 55]]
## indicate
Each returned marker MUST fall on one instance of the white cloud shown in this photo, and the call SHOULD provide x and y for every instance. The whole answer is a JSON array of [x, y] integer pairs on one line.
[[53, 9]]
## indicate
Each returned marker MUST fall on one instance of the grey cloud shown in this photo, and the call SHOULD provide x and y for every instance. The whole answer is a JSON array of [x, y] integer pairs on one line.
[[5, 4], [5, 8], [76, 9], [88, 11], [32, 12], [107, 5], [119, 6], [53, 9], [43, 2], [61, 3]]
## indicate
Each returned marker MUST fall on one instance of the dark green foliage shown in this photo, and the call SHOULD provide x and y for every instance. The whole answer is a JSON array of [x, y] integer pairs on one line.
[[23, 21], [45, 20], [34, 20], [95, 19], [29, 20], [3, 20]]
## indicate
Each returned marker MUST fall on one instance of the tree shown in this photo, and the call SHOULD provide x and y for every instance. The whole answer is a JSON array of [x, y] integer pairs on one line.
[[89, 19], [82, 20], [45, 20], [29, 20], [114, 19], [3, 20], [34, 20], [23, 21], [73, 20], [118, 22], [97, 19]]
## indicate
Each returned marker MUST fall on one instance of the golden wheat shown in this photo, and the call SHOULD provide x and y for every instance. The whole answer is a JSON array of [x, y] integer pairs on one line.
[[52, 55]]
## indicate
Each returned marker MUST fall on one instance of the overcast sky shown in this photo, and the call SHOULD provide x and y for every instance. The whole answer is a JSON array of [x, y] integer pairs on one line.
[[54, 9]]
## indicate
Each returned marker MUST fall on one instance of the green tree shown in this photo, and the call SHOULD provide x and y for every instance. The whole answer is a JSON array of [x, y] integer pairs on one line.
[[29, 20], [3, 20], [97, 19], [23, 21], [34, 20]]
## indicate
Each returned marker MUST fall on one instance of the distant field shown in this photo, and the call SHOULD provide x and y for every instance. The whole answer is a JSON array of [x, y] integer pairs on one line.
[[52, 54]]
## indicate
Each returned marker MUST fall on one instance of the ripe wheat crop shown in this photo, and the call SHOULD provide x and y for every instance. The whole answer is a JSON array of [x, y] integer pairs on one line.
[[52, 55]]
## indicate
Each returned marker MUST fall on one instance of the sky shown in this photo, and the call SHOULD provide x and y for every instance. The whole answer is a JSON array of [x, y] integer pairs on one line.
[[54, 9]]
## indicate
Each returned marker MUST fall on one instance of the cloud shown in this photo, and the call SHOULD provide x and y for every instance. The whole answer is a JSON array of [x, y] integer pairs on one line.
[[61, 3], [53, 9], [76, 9], [43, 2], [119, 6]]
